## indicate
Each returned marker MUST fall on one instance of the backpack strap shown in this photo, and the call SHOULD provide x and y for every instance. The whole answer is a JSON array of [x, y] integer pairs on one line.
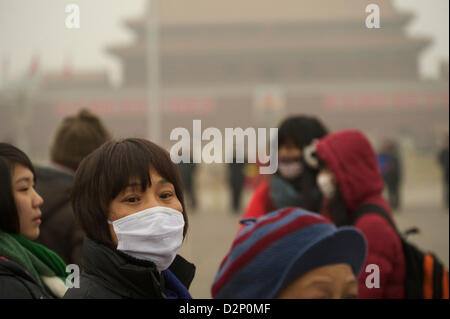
[[433, 276], [373, 209], [438, 273]]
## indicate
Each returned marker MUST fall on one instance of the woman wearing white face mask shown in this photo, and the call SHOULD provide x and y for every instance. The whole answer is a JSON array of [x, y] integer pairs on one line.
[[127, 197], [351, 182], [294, 184]]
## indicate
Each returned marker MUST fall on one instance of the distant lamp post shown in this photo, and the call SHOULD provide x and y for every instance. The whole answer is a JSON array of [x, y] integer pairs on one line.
[[23, 97], [153, 76], [22, 115]]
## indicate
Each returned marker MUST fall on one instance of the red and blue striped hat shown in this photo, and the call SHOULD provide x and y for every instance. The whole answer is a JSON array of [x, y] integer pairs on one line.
[[274, 250]]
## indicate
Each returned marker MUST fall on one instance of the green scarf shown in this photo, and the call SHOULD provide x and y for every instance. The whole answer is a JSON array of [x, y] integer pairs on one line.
[[35, 258]]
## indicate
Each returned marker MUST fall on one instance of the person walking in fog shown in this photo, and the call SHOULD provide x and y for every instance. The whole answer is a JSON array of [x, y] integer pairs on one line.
[[128, 198], [349, 179], [443, 162], [291, 254], [391, 169], [236, 180], [187, 172], [75, 138], [294, 184], [27, 270]]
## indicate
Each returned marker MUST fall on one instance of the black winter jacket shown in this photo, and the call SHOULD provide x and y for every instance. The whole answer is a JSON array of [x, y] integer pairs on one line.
[[111, 274], [59, 230], [16, 283]]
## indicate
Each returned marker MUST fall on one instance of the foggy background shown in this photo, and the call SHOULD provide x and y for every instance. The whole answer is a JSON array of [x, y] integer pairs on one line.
[[37, 27]]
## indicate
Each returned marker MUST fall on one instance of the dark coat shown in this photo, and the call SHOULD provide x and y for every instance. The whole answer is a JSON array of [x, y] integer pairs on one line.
[[443, 161], [59, 230], [236, 174], [392, 174], [16, 283], [111, 274]]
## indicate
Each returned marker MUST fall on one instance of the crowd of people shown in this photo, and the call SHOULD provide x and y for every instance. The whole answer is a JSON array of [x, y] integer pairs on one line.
[[117, 209]]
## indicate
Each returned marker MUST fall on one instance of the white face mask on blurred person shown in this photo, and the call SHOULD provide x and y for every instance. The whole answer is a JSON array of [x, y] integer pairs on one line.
[[154, 234], [291, 169], [326, 185]]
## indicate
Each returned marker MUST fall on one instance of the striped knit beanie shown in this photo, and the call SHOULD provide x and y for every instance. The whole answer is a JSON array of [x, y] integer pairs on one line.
[[274, 250]]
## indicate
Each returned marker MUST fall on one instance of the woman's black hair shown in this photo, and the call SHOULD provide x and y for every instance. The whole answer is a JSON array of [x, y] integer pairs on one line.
[[10, 156], [301, 131], [337, 209], [107, 171]]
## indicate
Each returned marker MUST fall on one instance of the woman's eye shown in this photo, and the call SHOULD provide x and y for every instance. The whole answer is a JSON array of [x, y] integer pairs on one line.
[[24, 189], [132, 199], [166, 195]]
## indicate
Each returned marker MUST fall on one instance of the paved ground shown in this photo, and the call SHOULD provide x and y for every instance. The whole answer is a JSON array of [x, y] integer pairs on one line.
[[213, 226]]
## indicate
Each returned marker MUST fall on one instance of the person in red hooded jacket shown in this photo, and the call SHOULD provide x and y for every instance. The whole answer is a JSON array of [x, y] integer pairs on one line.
[[349, 178]]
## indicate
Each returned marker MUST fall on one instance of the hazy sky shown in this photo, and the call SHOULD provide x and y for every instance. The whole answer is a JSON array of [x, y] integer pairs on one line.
[[29, 27]]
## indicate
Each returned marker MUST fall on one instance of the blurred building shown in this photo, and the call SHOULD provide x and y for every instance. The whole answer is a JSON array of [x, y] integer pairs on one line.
[[253, 62]]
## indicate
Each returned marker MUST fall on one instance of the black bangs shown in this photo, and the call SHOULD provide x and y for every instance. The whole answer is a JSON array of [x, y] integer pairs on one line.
[[131, 160], [128, 163]]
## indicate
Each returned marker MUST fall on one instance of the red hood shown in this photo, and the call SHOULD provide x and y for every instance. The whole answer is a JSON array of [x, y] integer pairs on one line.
[[353, 161]]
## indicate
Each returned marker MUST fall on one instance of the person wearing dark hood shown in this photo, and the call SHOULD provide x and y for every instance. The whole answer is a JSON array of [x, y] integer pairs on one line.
[[76, 137], [294, 184], [127, 196], [349, 179]]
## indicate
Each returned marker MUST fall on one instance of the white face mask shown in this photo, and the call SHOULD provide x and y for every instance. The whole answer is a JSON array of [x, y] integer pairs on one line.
[[154, 234], [290, 170], [326, 185]]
